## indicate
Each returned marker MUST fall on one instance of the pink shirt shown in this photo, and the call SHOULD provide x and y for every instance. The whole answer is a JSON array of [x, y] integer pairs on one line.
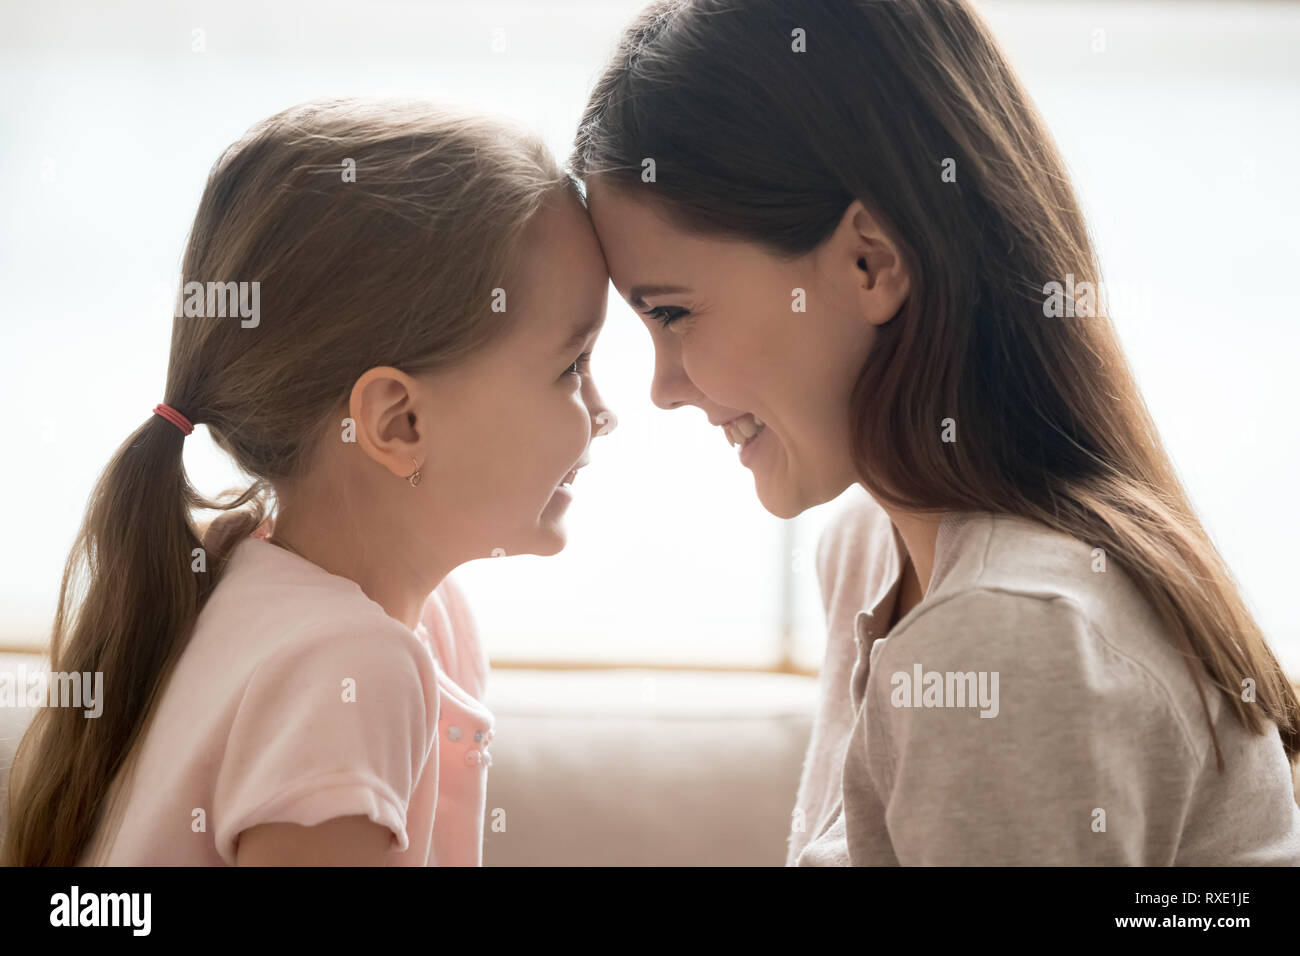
[[298, 700]]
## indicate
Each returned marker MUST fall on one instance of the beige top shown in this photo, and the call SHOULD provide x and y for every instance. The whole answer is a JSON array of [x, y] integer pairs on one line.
[[1031, 710]]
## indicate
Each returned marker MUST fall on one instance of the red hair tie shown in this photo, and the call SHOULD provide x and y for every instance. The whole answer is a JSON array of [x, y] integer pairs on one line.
[[173, 416]]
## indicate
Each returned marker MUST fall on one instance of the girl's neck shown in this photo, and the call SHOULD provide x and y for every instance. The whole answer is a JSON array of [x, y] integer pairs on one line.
[[385, 571]]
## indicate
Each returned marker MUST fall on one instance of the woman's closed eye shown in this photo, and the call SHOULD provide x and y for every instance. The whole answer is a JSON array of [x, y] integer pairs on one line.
[[659, 313]]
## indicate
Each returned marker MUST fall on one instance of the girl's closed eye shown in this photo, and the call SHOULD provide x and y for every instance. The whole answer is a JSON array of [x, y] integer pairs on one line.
[[581, 365], [659, 313]]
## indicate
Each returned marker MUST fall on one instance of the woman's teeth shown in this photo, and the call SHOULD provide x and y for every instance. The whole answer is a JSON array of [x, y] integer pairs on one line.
[[743, 429]]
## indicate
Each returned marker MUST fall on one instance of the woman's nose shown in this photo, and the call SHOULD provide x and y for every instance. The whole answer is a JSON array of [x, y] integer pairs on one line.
[[670, 388]]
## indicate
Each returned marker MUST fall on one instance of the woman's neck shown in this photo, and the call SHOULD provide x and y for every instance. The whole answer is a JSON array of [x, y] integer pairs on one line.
[[910, 593], [919, 533]]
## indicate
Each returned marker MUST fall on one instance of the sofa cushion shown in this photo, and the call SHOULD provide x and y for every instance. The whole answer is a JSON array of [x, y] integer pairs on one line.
[[614, 767]]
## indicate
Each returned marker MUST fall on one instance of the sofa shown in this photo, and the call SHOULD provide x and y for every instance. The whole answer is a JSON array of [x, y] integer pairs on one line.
[[622, 767], [610, 767]]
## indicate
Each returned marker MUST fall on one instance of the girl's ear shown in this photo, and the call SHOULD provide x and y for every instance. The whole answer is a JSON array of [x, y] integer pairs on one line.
[[383, 405], [862, 245]]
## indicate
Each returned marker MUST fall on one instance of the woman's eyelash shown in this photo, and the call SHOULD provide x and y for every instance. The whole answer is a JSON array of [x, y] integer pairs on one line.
[[581, 365], [664, 320]]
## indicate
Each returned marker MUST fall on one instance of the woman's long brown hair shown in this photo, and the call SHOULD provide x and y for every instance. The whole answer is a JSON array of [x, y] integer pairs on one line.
[[377, 231], [755, 139]]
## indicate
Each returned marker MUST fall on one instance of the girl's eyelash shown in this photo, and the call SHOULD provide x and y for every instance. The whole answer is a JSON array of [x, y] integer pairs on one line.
[[581, 365], [666, 321]]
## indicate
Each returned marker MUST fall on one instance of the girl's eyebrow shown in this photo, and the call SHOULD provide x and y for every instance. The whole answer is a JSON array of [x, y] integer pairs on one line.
[[637, 293], [581, 334]]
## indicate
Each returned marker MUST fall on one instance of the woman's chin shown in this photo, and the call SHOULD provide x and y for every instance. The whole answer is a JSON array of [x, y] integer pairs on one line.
[[781, 509], [787, 503]]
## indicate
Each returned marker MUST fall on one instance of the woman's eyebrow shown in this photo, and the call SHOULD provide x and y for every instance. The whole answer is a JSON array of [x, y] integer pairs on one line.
[[638, 292]]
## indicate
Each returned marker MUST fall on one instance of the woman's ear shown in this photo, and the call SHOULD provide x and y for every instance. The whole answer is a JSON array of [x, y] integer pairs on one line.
[[383, 406], [880, 275]]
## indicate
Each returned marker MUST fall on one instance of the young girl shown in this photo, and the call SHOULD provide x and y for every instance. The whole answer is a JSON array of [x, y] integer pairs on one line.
[[409, 388], [1037, 656]]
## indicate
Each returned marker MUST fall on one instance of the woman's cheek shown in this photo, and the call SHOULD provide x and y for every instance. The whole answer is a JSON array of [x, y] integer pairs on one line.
[[717, 352], [717, 374]]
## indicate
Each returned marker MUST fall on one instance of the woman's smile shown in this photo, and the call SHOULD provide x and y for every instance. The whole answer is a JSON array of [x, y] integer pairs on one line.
[[752, 445], [744, 432]]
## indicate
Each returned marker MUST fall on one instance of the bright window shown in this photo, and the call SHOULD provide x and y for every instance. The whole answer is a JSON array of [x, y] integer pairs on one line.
[[1180, 133]]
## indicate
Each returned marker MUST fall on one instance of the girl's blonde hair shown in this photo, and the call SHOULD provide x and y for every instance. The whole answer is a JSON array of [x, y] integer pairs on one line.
[[758, 141], [377, 232]]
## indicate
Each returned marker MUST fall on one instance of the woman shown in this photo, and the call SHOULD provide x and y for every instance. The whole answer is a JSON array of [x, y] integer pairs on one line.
[[840, 223]]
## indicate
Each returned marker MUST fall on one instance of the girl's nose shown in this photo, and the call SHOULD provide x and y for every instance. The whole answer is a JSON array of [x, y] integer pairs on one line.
[[606, 422]]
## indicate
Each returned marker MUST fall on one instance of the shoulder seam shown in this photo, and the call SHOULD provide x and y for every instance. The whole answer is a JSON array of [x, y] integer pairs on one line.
[[1151, 679], [408, 640]]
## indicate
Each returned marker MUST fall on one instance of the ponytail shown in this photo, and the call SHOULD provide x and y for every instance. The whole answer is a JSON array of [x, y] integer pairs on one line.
[[146, 575]]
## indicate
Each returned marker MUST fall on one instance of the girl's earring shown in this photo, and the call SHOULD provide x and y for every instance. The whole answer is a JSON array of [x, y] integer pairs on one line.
[[414, 477]]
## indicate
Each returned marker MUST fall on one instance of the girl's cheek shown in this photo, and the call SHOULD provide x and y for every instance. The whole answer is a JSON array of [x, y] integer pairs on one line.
[[582, 418], [568, 422]]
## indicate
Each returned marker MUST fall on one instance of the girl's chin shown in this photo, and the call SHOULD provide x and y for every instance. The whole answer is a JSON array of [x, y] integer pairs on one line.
[[550, 539], [550, 523], [554, 509]]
